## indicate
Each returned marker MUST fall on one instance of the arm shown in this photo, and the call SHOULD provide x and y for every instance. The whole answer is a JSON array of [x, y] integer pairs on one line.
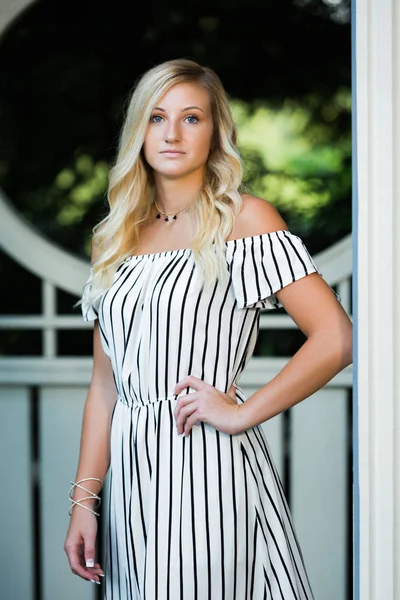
[[94, 455], [315, 310], [94, 460], [327, 350]]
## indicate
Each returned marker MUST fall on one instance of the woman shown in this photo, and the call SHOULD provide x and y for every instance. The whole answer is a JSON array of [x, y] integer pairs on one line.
[[182, 265]]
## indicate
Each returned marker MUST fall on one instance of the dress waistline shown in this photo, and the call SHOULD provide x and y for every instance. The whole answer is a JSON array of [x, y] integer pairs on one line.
[[140, 402]]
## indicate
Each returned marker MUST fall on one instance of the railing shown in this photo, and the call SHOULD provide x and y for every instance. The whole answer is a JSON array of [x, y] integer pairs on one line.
[[41, 405]]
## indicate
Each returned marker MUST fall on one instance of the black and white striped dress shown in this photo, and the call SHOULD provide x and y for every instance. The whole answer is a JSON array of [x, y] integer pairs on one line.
[[202, 517]]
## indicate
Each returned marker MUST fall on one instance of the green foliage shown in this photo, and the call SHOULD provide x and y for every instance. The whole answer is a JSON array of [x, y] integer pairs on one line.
[[286, 66], [291, 160], [78, 187]]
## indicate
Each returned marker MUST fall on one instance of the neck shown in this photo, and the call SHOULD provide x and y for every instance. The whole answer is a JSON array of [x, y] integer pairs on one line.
[[172, 195]]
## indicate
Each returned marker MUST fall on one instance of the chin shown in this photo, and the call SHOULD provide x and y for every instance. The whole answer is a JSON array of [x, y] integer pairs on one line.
[[175, 172]]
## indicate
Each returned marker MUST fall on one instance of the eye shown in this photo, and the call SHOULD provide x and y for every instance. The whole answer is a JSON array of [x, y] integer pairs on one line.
[[192, 119], [156, 119]]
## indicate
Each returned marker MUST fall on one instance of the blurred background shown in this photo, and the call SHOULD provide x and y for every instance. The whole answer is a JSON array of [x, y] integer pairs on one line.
[[67, 69]]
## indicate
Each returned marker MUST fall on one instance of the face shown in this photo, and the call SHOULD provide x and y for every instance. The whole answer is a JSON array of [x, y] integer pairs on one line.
[[178, 139]]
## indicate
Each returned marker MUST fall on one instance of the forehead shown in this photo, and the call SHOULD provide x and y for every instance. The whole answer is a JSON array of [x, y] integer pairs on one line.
[[182, 95]]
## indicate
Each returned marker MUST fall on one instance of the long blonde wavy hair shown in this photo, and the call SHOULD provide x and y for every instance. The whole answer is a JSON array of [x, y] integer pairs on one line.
[[131, 185]]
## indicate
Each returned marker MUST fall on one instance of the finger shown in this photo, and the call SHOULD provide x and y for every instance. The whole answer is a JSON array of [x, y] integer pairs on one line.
[[84, 549], [89, 559], [89, 551], [184, 413], [96, 574], [76, 565], [184, 401], [190, 421], [190, 381], [180, 385], [97, 570]]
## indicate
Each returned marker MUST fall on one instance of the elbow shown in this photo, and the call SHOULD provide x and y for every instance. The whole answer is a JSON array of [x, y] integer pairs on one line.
[[337, 346], [347, 355], [345, 346]]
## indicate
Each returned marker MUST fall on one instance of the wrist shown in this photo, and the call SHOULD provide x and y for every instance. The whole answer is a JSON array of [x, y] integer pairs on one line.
[[84, 499], [83, 488], [241, 418], [82, 494], [83, 508]]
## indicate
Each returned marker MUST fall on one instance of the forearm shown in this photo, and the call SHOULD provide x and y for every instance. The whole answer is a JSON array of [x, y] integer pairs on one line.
[[94, 455], [319, 359]]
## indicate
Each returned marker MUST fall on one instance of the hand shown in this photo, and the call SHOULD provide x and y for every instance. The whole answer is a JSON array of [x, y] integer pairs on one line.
[[80, 545], [208, 405]]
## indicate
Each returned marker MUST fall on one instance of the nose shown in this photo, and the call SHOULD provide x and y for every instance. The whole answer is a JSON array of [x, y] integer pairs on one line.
[[172, 132]]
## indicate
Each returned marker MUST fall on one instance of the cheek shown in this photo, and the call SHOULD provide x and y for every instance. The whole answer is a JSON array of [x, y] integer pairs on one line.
[[203, 144], [148, 147]]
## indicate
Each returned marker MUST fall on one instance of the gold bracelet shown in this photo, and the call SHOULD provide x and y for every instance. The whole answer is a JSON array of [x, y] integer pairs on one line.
[[92, 496]]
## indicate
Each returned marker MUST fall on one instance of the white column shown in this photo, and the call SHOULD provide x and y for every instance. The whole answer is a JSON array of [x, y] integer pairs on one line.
[[378, 285]]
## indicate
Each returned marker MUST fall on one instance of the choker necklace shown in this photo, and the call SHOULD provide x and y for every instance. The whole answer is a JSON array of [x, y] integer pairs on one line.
[[170, 214]]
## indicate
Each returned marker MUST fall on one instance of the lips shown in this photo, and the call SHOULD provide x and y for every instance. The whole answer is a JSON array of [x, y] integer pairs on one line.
[[172, 152]]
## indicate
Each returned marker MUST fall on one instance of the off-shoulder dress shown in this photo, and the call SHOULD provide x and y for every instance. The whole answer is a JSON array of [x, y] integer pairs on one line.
[[202, 517]]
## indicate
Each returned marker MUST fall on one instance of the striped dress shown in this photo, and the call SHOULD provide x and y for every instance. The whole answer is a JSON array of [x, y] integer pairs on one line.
[[202, 517]]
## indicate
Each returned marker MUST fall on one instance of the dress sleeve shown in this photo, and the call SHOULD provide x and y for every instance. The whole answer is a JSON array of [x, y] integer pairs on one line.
[[89, 310], [264, 264]]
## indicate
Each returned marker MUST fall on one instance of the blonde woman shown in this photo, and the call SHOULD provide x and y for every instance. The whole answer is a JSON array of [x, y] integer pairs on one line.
[[181, 267]]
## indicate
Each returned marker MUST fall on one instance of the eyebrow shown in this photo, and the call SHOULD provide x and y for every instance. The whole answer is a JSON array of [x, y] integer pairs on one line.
[[183, 109]]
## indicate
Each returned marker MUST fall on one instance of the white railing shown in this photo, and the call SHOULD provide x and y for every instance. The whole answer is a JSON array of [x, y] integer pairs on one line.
[[41, 405]]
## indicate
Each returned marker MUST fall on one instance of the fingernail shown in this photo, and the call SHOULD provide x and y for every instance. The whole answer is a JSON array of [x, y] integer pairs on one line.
[[101, 575], [93, 581], [90, 562]]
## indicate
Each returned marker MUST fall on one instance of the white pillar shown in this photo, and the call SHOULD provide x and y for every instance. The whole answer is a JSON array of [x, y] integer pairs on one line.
[[378, 285]]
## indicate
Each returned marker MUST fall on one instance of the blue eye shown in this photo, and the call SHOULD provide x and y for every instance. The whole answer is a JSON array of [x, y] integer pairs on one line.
[[154, 118], [195, 119]]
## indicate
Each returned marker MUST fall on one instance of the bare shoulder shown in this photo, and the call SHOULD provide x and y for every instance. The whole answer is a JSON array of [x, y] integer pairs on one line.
[[257, 216]]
